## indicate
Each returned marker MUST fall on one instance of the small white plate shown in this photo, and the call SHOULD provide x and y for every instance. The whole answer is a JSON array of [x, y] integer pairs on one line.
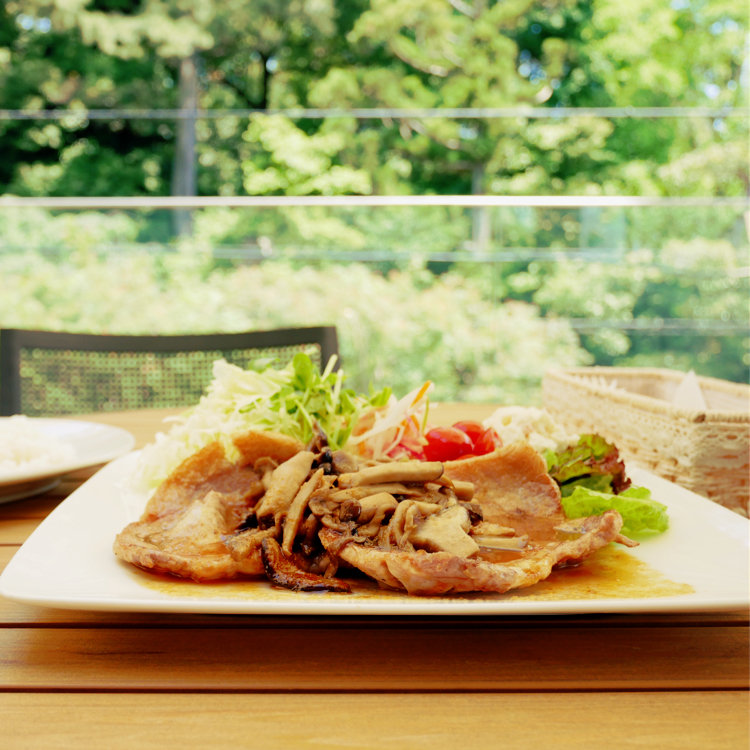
[[92, 443], [68, 562]]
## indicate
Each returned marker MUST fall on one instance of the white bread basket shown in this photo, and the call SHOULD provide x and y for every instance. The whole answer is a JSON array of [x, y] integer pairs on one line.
[[705, 450]]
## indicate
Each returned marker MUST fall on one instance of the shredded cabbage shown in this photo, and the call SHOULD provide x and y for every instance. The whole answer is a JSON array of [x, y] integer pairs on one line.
[[292, 400]]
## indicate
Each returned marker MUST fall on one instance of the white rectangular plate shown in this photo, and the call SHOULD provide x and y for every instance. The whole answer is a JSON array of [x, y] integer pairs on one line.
[[68, 562]]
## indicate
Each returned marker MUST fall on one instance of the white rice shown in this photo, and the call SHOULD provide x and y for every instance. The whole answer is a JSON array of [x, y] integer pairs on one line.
[[24, 446]]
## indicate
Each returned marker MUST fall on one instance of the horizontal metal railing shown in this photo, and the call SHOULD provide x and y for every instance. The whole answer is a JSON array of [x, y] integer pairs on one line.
[[353, 201], [379, 113]]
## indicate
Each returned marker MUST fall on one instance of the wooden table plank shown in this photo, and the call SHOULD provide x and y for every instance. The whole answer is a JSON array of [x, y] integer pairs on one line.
[[38, 507], [16, 531], [668, 721], [327, 656], [6, 553]]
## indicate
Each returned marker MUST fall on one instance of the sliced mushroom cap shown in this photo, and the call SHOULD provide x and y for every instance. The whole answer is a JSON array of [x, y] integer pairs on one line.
[[405, 519], [446, 531], [297, 509], [379, 504], [284, 484], [394, 471], [485, 528], [373, 511], [494, 536], [322, 504], [392, 488], [265, 467], [501, 542], [343, 462], [464, 490]]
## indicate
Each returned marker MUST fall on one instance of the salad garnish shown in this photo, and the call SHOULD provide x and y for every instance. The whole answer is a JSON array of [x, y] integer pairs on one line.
[[396, 430], [592, 479], [295, 400], [591, 462], [641, 514]]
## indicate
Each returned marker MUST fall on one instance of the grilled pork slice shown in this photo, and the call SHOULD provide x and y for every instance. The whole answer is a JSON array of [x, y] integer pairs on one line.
[[529, 534], [433, 573], [210, 469], [183, 529], [188, 542], [511, 485]]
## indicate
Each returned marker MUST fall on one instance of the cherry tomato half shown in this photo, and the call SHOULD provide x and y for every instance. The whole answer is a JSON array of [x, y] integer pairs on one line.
[[446, 444], [487, 442], [474, 430]]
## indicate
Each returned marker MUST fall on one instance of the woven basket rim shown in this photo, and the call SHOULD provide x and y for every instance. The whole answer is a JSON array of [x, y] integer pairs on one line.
[[579, 377]]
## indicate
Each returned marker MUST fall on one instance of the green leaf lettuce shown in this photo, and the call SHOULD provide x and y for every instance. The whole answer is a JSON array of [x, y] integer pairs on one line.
[[641, 514], [591, 462]]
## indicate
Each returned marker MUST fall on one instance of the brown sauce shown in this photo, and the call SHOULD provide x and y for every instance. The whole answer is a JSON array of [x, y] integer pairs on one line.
[[611, 573], [499, 555]]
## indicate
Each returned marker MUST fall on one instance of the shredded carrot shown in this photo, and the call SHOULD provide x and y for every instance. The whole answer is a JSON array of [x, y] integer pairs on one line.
[[421, 392]]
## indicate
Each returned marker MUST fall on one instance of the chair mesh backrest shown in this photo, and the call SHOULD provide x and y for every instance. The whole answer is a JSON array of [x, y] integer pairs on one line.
[[69, 382], [56, 381]]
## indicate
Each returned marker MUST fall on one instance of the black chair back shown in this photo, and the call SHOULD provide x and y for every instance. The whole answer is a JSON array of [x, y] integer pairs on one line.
[[50, 373]]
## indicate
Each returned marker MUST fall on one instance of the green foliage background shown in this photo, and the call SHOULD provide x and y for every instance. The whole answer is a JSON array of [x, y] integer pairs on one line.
[[479, 302]]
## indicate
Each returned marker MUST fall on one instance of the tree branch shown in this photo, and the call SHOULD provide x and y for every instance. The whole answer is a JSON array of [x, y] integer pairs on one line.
[[238, 90]]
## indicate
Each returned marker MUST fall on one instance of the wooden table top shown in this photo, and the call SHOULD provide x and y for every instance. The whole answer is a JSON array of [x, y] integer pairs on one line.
[[107, 679]]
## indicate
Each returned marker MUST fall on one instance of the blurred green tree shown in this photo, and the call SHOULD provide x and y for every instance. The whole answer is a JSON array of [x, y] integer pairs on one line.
[[71, 56]]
